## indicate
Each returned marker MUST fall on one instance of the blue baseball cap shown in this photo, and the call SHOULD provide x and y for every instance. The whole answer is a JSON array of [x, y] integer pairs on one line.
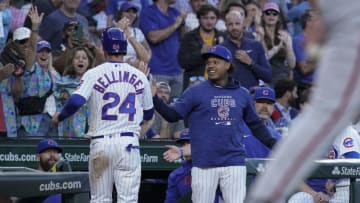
[[47, 144], [128, 5], [264, 93], [43, 44], [184, 136], [219, 51]]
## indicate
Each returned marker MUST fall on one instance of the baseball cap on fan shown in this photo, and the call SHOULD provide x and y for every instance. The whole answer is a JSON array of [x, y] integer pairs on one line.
[[21, 33], [271, 6], [218, 51], [43, 45], [264, 93], [47, 144]]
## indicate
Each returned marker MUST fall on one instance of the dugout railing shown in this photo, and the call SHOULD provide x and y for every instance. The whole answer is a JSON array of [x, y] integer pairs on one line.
[[21, 153]]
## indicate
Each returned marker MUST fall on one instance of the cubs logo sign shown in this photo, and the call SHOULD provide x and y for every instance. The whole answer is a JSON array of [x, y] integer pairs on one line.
[[223, 111]]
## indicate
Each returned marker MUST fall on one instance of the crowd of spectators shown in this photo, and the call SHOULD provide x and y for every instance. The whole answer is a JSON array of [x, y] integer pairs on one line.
[[265, 38]]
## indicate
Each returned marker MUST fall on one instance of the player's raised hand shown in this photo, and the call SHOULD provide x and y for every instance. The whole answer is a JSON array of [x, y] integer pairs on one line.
[[173, 153], [55, 120]]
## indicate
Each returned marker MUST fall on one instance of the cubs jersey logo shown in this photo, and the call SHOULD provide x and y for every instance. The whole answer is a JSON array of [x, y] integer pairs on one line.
[[348, 142], [223, 111]]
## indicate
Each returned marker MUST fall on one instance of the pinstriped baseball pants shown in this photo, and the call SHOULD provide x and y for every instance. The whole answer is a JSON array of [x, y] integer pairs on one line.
[[110, 162], [231, 179]]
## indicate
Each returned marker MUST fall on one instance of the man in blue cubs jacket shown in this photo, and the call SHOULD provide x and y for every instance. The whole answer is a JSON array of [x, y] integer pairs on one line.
[[215, 110]]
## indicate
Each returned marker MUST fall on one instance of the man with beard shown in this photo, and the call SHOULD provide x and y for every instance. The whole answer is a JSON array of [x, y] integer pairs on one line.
[[264, 102], [251, 64], [198, 41], [47, 152], [286, 94]]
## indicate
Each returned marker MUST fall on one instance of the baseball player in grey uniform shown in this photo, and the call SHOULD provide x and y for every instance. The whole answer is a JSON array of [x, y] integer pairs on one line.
[[335, 103], [119, 98]]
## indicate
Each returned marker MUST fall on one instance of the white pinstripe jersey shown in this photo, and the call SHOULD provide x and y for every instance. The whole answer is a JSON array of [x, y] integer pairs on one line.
[[117, 94], [347, 141]]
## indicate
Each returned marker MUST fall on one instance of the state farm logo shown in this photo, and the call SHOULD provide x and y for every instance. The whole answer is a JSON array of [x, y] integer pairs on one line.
[[261, 168], [346, 171]]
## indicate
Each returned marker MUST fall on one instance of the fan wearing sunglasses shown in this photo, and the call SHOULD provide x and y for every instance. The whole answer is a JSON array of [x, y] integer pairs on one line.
[[20, 52], [277, 43]]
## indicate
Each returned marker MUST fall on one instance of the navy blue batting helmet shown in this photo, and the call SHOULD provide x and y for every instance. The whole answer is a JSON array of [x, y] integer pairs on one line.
[[114, 41]]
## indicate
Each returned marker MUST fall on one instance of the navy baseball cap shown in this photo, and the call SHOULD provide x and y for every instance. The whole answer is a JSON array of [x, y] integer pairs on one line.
[[128, 5], [184, 136], [219, 51], [264, 93], [47, 144], [43, 45]]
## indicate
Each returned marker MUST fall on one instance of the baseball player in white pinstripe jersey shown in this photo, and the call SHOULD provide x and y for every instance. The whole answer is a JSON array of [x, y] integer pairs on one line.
[[119, 98]]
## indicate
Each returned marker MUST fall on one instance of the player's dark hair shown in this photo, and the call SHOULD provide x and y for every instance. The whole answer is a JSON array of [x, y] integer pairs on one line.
[[205, 9], [282, 86]]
